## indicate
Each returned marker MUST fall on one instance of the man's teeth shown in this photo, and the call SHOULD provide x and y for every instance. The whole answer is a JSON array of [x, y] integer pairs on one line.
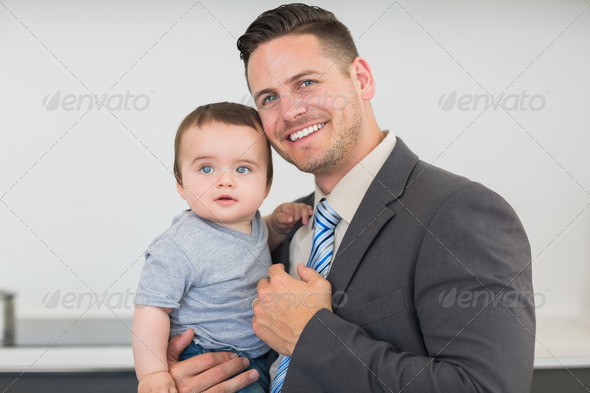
[[305, 132]]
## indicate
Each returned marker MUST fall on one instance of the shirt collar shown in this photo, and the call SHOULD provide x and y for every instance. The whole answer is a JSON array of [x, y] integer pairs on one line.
[[347, 195]]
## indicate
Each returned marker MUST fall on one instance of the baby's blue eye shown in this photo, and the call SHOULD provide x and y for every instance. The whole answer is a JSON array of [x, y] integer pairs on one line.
[[206, 169], [243, 169], [308, 83]]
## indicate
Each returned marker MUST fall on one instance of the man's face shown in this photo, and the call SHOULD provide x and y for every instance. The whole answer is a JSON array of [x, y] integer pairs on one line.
[[311, 110]]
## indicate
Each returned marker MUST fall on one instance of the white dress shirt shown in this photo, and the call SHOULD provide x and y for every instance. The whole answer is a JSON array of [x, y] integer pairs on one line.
[[345, 199]]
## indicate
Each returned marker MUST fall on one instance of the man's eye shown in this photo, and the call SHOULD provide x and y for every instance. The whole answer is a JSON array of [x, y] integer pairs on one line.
[[206, 169], [243, 169], [307, 83], [268, 99]]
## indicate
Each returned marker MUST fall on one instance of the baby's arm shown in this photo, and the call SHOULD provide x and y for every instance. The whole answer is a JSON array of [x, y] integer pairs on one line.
[[151, 328], [283, 219]]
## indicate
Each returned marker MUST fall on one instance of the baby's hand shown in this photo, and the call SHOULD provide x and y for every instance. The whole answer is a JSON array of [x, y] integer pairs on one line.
[[159, 382], [286, 215]]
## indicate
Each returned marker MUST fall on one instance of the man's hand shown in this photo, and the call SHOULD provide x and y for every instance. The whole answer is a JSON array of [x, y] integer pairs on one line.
[[285, 305], [208, 372]]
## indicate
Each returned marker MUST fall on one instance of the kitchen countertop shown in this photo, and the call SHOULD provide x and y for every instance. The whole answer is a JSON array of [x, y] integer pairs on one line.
[[560, 343], [43, 359], [59, 344]]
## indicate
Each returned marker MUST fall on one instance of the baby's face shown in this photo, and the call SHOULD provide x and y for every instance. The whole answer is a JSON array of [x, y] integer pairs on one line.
[[223, 169]]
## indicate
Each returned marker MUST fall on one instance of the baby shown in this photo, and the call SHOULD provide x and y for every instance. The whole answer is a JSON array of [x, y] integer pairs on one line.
[[201, 274]]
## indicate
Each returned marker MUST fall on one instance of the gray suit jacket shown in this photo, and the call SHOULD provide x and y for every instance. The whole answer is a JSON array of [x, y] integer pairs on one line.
[[432, 292]]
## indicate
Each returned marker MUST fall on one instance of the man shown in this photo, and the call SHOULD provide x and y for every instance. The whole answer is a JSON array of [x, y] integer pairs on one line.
[[413, 298]]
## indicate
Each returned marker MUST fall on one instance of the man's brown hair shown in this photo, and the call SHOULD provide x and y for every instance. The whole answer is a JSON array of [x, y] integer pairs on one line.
[[225, 113], [335, 38]]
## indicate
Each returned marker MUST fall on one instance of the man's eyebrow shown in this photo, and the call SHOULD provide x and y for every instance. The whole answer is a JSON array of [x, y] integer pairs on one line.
[[289, 81], [302, 75], [261, 92]]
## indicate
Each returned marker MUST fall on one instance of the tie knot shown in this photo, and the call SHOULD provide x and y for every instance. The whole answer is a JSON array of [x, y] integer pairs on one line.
[[325, 216]]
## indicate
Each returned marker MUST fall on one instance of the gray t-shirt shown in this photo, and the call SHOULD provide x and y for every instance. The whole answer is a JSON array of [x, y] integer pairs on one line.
[[208, 274]]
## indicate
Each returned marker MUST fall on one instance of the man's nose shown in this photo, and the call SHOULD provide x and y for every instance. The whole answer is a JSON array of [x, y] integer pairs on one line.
[[293, 106]]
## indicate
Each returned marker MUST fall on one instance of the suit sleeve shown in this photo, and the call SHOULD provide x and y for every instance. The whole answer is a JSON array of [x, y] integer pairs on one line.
[[474, 302]]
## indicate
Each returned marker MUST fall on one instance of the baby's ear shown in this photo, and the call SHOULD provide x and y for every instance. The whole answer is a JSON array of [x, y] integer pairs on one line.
[[180, 189], [267, 189]]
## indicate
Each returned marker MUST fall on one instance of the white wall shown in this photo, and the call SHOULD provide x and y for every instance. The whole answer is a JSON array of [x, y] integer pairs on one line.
[[84, 192]]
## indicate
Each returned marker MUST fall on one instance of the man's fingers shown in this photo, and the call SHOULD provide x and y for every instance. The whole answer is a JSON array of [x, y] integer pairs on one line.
[[314, 279], [263, 283], [210, 379], [276, 269], [307, 274], [178, 343], [207, 370], [235, 384], [201, 363], [225, 370]]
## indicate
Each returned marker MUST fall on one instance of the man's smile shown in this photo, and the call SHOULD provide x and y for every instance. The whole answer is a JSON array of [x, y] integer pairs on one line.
[[305, 131]]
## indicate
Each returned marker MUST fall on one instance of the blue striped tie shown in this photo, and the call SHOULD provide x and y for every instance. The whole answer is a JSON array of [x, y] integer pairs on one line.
[[325, 221]]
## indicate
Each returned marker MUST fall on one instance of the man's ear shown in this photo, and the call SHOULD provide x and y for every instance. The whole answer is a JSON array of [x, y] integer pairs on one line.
[[362, 74], [180, 189]]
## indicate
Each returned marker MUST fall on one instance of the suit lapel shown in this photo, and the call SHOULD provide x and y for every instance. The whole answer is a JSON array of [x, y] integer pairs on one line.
[[374, 211]]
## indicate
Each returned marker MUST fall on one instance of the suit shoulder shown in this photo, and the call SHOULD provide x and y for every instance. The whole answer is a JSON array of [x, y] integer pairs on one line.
[[439, 184], [430, 188]]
